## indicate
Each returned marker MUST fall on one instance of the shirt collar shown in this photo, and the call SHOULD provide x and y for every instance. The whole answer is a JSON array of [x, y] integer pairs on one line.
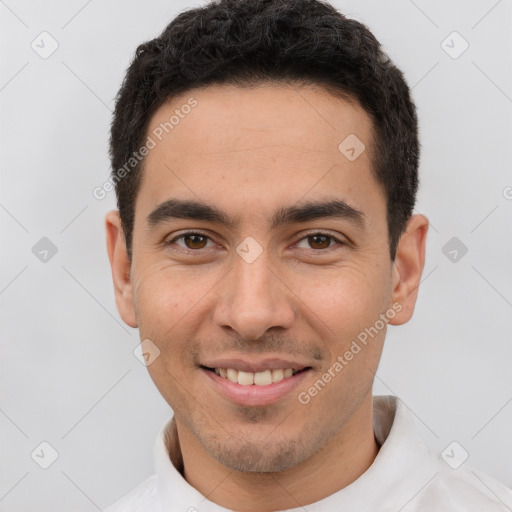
[[402, 467]]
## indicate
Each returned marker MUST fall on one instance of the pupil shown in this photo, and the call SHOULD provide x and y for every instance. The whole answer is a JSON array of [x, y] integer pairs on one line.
[[316, 237], [195, 240]]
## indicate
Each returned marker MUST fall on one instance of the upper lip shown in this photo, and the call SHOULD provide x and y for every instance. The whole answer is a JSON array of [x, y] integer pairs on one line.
[[261, 365]]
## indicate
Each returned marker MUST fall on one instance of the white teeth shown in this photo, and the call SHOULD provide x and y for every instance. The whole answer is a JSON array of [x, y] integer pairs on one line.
[[263, 378], [245, 378], [232, 375], [277, 375]]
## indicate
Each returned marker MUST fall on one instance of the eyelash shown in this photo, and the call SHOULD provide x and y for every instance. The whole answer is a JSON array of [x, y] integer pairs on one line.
[[168, 243]]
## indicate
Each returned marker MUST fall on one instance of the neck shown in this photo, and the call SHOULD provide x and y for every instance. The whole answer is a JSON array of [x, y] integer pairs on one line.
[[344, 459]]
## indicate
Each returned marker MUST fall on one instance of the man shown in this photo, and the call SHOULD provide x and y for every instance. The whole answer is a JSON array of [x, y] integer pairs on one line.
[[265, 157]]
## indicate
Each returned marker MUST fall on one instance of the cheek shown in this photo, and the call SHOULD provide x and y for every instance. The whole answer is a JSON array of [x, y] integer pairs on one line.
[[347, 299], [163, 300], [166, 305]]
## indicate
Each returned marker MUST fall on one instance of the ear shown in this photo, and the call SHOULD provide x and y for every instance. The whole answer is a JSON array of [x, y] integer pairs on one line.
[[120, 264], [408, 267]]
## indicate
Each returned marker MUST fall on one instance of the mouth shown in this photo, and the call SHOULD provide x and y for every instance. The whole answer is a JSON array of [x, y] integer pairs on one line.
[[256, 389], [261, 378]]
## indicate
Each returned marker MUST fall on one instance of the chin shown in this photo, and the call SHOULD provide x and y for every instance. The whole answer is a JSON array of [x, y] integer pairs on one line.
[[249, 457]]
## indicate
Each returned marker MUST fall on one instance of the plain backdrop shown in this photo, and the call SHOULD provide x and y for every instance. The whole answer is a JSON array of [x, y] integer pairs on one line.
[[68, 373]]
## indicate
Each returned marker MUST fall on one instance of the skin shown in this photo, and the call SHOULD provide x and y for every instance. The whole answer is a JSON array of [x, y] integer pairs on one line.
[[249, 151]]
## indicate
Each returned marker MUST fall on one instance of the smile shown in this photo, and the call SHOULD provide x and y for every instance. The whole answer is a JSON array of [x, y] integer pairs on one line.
[[254, 388], [263, 378]]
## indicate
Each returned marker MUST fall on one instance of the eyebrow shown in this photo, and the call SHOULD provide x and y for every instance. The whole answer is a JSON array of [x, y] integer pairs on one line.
[[306, 212]]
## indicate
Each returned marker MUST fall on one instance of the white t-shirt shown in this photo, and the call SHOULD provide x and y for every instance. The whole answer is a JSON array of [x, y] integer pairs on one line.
[[406, 476]]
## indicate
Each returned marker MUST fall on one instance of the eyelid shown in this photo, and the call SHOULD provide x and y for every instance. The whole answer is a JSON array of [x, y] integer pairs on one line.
[[187, 233], [337, 237], [340, 240], [312, 232]]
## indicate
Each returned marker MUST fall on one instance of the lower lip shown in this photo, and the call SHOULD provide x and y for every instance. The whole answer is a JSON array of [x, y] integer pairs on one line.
[[255, 395]]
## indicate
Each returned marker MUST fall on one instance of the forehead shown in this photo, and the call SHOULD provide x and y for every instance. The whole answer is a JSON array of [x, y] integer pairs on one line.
[[258, 146]]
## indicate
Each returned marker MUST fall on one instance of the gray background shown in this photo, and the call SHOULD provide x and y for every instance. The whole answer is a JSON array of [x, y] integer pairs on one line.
[[68, 373]]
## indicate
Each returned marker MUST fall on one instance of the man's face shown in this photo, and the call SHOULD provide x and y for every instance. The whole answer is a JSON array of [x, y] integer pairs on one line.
[[253, 295]]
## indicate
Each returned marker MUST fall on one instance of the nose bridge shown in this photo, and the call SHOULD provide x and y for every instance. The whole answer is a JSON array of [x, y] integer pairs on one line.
[[252, 279], [252, 298]]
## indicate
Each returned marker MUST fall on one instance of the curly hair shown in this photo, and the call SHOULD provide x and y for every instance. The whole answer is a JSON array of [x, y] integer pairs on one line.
[[246, 42]]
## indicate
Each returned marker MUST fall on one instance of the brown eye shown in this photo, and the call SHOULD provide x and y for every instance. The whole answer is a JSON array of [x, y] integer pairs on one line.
[[191, 241], [319, 241], [196, 241]]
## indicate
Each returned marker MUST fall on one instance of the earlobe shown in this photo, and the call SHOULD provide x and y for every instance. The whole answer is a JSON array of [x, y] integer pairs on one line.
[[120, 266], [408, 267]]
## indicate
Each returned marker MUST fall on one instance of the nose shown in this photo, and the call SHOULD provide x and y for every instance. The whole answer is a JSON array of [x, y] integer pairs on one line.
[[252, 299]]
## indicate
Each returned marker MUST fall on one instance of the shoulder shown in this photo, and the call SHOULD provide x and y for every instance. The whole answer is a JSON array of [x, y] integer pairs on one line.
[[143, 498], [462, 490]]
